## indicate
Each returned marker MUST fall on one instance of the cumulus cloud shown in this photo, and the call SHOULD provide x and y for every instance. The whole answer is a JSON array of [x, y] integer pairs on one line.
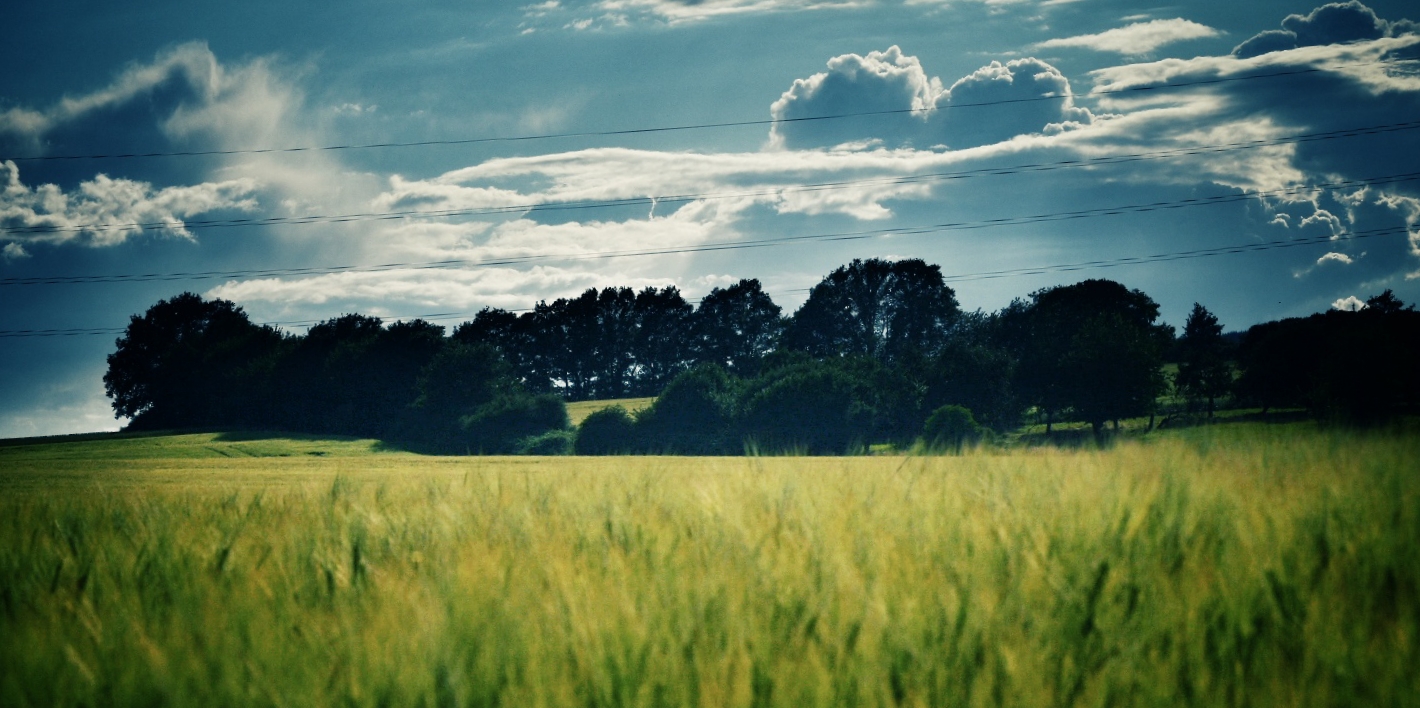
[[1138, 38], [1334, 257], [1350, 303], [13, 252], [107, 211], [993, 103], [1334, 23]]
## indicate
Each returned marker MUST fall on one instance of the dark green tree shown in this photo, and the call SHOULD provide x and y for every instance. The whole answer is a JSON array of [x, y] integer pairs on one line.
[[1204, 372], [1092, 348], [875, 308], [661, 339], [694, 415], [736, 327], [189, 362]]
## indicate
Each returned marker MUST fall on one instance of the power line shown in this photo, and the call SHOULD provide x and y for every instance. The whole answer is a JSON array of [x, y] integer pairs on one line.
[[705, 196], [698, 126], [720, 246], [960, 277]]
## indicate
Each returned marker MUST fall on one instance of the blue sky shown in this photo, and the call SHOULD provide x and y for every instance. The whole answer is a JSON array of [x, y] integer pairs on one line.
[[1156, 98]]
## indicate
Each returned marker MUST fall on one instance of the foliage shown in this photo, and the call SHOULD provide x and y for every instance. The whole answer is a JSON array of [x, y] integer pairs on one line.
[[736, 327], [609, 431], [951, 427], [552, 442], [1092, 348], [1352, 367], [812, 408], [1204, 372], [976, 374], [695, 415], [1234, 565], [875, 308], [496, 427], [188, 362]]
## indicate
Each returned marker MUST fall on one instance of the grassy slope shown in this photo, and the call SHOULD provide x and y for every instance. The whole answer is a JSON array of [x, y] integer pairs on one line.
[[1220, 566], [579, 410]]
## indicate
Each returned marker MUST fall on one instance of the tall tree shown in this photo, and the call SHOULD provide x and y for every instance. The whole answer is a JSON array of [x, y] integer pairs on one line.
[[1092, 347], [1204, 372], [736, 327], [191, 362], [660, 345], [876, 308]]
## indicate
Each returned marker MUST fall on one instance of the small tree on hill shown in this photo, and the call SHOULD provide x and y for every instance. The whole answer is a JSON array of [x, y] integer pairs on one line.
[[1203, 368]]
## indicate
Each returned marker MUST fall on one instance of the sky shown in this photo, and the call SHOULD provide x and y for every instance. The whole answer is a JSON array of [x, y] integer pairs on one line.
[[568, 145]]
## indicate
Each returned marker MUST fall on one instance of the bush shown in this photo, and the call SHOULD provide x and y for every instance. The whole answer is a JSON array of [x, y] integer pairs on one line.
[[951, 427], [552, 442], [497, 427], [609, 431], [811, 409], [692, 416]]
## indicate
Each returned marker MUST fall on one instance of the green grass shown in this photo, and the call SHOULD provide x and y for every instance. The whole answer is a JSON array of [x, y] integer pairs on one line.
[[579, 410], [1224, 565]]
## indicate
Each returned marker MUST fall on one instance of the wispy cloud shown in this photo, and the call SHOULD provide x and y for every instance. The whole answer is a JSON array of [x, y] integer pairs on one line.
[[1138, 38]]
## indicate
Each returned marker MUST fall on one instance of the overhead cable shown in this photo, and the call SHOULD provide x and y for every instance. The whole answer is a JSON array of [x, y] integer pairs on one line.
[[702, 126], [718, 246], [960, 277], [548, 206]]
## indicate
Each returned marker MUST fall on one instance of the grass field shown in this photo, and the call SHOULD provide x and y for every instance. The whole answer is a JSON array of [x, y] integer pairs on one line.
[[579, 410], [1232, 565]]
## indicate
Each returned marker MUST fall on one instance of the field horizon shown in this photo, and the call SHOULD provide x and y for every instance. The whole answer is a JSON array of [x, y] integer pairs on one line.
[[1241, 564]]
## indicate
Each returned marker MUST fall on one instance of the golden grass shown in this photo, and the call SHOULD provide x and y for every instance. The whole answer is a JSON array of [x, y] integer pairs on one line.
[[1231, 567]]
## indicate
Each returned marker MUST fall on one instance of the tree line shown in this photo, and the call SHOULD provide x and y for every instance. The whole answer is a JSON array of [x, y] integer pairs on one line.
[[877, 348]]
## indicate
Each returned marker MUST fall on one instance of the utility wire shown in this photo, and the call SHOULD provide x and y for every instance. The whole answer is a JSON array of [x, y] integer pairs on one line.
[[720, 246], [705, 196], [960, 277], [702, 126]]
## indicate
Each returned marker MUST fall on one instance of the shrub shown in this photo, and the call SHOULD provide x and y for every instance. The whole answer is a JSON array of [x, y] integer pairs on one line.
[[950, 427], [552, 442], [692, 416], [609, 431], [496, 427], [813, 409]]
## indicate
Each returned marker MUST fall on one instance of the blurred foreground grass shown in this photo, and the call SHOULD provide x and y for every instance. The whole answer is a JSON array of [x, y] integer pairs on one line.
[[1239, 565]]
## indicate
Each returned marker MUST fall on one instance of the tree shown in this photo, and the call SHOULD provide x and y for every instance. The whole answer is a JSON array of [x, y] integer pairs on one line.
[[1092, 347], [951, 427], [1346, 367], [1203, 368], [974, 374], [191, 362], [353, 376], [660, 341], [876, 308], [694, 415], [736, 327], [609, 431]]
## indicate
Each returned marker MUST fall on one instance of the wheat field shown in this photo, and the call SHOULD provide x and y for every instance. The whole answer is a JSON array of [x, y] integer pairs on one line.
[[1240, 565]]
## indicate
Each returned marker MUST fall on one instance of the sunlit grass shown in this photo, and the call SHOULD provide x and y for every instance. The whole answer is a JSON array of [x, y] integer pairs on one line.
[[1226, 566], [578, 411]]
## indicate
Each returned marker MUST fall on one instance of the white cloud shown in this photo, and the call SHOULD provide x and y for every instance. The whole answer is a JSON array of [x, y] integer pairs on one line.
[[107, 211], [1334, 257], [13, 252], [1138, 38], [674, 11], [909, 108], [1350, 303]]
